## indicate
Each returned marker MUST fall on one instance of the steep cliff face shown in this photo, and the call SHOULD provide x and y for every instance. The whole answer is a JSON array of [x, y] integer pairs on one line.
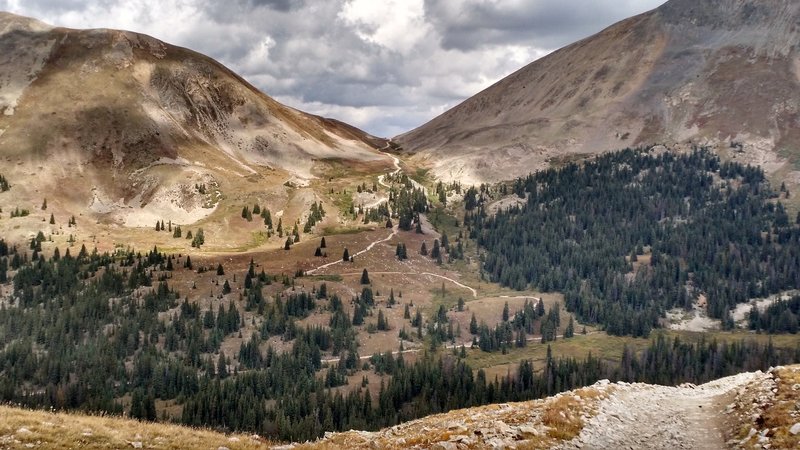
[[139, 121], [718, 72]]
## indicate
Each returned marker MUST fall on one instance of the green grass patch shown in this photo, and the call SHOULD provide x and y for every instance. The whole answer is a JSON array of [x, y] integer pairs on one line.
[[344, 201], [258, 238], [610, 348], [449, 297], [421, 176], [444, 221], [600, 345]]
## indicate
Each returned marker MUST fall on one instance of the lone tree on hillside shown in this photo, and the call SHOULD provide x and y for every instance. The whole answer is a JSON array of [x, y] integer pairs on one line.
[[364, 277], [346, 255], [322, 242]]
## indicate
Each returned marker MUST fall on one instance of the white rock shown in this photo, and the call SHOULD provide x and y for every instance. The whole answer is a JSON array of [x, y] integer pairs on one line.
[[136, 444], [795, 428]]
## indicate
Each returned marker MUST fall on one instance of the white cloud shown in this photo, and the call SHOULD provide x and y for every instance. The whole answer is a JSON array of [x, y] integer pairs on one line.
[[398, 25], [385, 66]]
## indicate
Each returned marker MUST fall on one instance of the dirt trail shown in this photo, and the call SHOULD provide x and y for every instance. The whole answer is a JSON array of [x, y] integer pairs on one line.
[[640, 416], [368, 248]]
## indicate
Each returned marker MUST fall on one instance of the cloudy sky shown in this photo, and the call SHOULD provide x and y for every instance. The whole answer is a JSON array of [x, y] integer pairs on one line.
[[386, 66]]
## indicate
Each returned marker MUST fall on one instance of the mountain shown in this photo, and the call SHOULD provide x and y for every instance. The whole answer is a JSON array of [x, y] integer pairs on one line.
[[131, 129], [725, 73]]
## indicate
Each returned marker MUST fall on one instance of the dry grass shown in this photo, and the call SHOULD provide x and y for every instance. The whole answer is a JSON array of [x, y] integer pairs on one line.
[[21, 428], [545, 423], [784, 412]]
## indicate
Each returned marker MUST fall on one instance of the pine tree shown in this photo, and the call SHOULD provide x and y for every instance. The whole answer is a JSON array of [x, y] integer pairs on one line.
[[222, 366], [383, 325], [288, 244], [423, 250], [220, 269], [52, 219], [570, 330], [506, 312], [322, 242], [318, 252], [364, 277], [473, 325], [226, 288], [346, 255]]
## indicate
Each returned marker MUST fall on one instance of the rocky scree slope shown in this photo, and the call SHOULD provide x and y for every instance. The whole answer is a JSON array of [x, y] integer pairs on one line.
[[724, 73], [128, 123]]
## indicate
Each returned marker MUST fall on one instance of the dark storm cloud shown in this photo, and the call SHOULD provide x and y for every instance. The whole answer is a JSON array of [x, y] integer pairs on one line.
[[548, 24], [279, 5], [386, 66]]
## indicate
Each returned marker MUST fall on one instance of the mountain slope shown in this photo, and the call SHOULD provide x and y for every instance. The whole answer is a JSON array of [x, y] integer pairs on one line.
[[23, 428], [707, 71], [744, 410], [141, 123]]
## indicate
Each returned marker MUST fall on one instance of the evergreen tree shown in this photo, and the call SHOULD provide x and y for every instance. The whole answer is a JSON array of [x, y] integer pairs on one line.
[[383, 324], [346, 255], [364, 277], [570, 330], [52, 219]]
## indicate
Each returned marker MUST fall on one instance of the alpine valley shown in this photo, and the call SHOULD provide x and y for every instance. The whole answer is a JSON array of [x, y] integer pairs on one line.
[[601, 250]]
